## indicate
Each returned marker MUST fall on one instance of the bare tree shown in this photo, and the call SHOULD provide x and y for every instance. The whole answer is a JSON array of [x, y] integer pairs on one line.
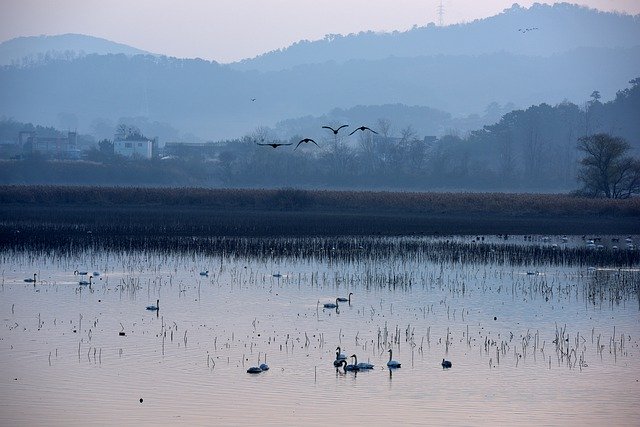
[[606, 171]]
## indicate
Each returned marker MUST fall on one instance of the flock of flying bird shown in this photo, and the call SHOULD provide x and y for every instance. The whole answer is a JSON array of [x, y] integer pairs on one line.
[[308, 140]]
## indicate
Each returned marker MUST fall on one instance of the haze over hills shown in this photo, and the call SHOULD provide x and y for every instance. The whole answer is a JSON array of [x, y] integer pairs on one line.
[[174, 97], [559, 28], [33, 48]]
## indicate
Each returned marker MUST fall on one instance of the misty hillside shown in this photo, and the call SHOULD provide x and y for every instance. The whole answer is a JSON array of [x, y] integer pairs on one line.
[[532, 149], [441, 69], [560, 28], [35, 48], [213, 101]]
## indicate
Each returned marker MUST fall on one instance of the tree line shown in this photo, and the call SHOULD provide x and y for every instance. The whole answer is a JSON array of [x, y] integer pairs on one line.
[[566, 147]]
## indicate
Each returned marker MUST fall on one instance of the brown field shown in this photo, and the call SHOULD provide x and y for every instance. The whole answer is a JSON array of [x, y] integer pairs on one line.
[[231, 212]]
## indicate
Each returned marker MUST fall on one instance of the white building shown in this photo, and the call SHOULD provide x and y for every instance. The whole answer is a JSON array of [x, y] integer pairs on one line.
[[142, 148]]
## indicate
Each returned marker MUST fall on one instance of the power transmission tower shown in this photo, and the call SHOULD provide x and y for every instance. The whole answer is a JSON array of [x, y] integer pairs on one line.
[[441, 14]]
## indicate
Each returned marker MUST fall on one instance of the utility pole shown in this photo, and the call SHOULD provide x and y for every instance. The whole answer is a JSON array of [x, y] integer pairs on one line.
[[441, 14]]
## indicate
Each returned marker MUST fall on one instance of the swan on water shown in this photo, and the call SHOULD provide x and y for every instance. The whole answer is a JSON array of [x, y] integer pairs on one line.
[[342, 299], [30, 280], [154, 307], [340, 357], [392, 363], [84, 282], [331, 305], [347, 367], [446, 364]]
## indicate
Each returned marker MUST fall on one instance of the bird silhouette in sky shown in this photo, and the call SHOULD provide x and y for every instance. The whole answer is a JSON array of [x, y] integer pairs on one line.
[[362, 128], [253, 99], [274, 144], [306, 140], [335, 131]]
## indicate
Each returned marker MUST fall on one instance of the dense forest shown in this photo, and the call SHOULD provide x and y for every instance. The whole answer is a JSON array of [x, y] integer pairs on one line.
[[526, 150]]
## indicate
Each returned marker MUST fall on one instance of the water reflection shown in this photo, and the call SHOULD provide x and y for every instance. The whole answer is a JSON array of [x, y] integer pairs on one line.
[[519, 343]]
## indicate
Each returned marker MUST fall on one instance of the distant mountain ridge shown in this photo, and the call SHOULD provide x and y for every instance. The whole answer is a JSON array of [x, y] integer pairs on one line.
[[33, 48], [559, 28], [214, 101]]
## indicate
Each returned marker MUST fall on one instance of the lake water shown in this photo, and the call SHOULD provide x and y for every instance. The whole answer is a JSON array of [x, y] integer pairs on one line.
[[544, 343]]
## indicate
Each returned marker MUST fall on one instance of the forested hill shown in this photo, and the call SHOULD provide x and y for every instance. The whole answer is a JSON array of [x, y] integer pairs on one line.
[[25, 50], [214, 102], [556, 28], [532, 149]]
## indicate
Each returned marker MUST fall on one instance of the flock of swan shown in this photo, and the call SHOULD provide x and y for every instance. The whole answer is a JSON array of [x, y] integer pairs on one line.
[[339, 362]]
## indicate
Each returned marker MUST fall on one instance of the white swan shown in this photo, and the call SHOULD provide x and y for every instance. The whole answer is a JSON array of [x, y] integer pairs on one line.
[[340, 357], [342, 299], [254, 370], [392, 364], [364, 366], [30, 280], [154, 307], [84, 282], [204, 273], [446, 364], [331, 305], [353, 367]]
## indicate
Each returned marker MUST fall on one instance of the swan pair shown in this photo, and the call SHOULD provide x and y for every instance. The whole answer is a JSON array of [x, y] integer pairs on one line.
[[340, 357], [355, 366], [257, 369]]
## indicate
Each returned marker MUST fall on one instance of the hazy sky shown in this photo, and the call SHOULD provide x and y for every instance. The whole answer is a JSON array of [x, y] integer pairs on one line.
[[228, 30]]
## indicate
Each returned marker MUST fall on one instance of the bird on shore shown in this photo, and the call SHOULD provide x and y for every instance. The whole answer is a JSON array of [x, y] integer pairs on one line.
[[362, 128], [274, 144], [306, 141], [335, 131]]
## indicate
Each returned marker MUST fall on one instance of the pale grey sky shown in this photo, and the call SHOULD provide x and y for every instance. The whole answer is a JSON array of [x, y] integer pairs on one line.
[[228, 30]]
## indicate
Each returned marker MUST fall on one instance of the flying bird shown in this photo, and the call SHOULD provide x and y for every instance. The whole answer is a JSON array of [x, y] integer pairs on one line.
[[306, 140], [335, 131], [362, 128], [253, 99], [275, 144]]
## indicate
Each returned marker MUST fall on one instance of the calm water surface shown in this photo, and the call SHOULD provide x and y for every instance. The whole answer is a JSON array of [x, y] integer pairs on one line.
[[541, 344]]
